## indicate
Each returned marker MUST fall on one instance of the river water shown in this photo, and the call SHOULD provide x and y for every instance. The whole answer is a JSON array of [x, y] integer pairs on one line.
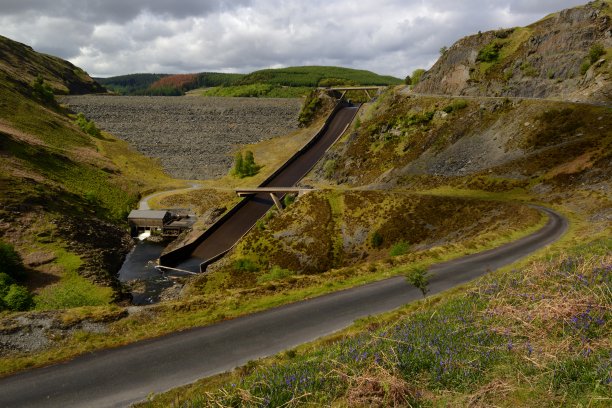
[[139, 267]]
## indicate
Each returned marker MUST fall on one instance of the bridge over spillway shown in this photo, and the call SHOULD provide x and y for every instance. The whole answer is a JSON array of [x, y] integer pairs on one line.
[[215, 242]]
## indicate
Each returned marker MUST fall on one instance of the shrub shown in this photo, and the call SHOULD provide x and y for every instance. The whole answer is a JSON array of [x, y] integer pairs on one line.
[[43, 91], [489, 53], [455, 106], [416, 76], [443, 50], [18, 298], [376, 239], [245, 265], [399, 248], [329, 168], [87, 126], [584, 67], [5, 284], [503, 33], [288, 200], [596, 51], [245, 166], [11, 262], [419, 278], [276, 273], [309, 110], [528, 69]]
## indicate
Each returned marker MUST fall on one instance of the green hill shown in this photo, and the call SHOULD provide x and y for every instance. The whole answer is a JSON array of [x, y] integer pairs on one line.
[[283, 82], [166, 84], [131, 84], [64, 192], [313, 76], [296, 82]]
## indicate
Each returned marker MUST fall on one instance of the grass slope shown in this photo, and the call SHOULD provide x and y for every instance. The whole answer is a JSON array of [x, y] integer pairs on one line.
[[64, 194], [290, 82]]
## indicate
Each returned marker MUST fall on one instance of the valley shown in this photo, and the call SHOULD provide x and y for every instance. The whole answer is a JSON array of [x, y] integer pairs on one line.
[[453, 248]]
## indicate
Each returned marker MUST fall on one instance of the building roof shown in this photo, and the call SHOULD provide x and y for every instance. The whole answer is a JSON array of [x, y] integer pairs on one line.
[[148, 214]]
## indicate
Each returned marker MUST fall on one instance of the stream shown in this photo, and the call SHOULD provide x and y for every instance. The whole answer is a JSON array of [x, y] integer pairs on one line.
[[138, 269]]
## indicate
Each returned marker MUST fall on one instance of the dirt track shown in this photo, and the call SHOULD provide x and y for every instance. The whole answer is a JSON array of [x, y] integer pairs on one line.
[[193, 137]]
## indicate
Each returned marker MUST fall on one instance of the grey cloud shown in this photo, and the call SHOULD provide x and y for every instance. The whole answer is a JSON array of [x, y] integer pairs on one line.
[[386, 36], [116, 11]]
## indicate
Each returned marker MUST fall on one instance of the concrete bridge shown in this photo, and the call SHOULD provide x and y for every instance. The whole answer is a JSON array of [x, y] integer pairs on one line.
[[344, 89], [276, 193]]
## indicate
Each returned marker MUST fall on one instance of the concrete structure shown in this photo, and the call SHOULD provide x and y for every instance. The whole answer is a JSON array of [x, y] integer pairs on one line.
[[344, 89], [166, 222], [273, 191]]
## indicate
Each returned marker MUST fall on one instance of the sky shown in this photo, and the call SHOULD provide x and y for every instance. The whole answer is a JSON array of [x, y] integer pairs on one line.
[[391, 37]]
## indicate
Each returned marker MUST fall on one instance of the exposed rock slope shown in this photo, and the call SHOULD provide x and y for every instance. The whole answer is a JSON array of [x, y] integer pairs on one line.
[[556, 57]]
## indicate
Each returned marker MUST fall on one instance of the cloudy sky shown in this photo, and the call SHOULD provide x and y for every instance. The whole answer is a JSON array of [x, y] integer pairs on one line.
[[113, 37]]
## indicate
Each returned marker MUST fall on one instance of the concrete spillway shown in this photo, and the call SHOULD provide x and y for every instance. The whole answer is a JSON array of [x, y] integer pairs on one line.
[[224, 234]]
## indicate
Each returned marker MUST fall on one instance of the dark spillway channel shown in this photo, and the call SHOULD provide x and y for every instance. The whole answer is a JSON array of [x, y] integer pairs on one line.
[[225, 235]]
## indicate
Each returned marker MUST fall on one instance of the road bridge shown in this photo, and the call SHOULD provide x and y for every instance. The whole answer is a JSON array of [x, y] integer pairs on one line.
[[344, 89], [276, 193]]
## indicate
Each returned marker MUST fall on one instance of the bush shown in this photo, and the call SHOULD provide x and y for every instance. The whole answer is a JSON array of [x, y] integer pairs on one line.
[[419, 278], [245, 265], [276, 273], [399, 248], [18, 298], [309, 110], [489, 53], [596, 51], [416, 76], [584, 67], [329, 168], [455, 106], [288, 200], [87, 126], [43, 91], [11, 262], [245, 166], [376, 240]]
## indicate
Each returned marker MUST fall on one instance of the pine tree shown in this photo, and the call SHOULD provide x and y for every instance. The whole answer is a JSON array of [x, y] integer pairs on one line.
[[250, 168], [238, 165]]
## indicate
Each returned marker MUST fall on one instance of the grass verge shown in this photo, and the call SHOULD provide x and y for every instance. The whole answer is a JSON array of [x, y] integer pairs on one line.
[[539, 336]]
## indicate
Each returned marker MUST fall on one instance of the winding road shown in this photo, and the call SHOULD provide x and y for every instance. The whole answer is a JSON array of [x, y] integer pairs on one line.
[[118, 377]]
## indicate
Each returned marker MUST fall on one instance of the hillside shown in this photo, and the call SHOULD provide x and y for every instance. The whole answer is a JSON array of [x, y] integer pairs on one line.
[[312, 76], [64, 193], [131, 84], [289, 82], [565, 55], [166, 84]]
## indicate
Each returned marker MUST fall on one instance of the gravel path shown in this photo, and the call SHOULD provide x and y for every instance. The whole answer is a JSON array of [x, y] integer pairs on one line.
[[194, 137]]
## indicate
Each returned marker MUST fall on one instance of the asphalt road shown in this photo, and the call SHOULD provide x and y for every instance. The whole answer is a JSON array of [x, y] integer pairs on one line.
[[118, 377], [230, 231]]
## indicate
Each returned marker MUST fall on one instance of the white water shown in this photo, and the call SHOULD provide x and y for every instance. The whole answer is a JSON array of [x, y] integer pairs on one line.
[[144, 235]]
